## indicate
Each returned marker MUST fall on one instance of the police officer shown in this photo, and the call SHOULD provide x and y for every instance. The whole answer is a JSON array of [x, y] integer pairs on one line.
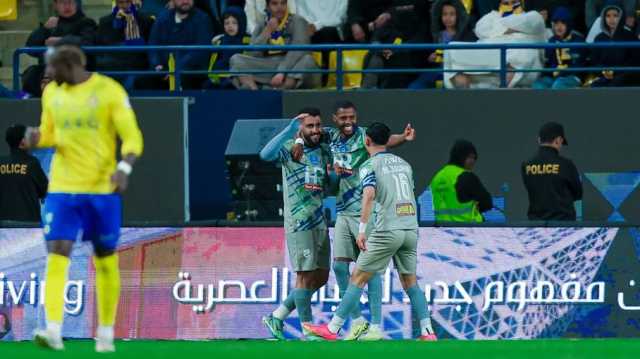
[[458, 194], [552, 181], [23, 183]]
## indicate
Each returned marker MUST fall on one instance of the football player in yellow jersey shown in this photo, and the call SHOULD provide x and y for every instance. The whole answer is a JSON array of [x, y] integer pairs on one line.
[[82, 115]]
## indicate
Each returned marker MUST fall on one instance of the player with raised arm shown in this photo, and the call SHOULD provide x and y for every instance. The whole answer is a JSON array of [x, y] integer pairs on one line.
[[347, 142], [82, 116], [304, 182], [387, 182]]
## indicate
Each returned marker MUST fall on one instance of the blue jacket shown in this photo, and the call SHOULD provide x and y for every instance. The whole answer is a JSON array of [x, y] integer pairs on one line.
[[566, 58], [242, 38], [194, 30]]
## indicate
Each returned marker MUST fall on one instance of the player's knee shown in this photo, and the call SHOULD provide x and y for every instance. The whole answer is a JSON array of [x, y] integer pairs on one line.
[[102, 252], [305, 279], [408, 280], [360, 278], [322, 277], [62, 247]]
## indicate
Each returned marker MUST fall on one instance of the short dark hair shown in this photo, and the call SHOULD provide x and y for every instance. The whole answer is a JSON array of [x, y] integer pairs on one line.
[[68, 53], [460, 151], [344, 104], [14, 135], [269, 2], [313, 111], [379, 133]]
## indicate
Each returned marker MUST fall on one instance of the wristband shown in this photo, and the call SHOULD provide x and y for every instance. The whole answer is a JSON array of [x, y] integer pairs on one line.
[[299, 141], [124, 167], [362, 228]]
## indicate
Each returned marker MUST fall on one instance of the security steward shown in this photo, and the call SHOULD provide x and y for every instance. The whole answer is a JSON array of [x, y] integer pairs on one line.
[[458, 194], [552, 181], [23, 183]]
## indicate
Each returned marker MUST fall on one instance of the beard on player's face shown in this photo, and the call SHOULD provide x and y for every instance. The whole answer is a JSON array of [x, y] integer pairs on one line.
[[184, 7], [312, 138]]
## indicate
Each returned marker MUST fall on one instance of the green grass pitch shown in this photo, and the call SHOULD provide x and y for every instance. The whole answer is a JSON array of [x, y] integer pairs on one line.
[[257, 349]]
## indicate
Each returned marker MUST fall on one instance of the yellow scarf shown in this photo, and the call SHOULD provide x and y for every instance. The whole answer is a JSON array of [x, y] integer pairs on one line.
[[277, 37], [506, 10], [131, 30]]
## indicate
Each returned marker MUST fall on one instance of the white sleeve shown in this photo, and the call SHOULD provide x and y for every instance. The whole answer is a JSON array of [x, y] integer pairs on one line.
[[250, 10], [490, 26], [530, 23], [595, 30]]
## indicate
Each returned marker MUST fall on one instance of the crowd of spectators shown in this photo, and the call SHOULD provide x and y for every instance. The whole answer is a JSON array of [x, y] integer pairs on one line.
[[280, 22]]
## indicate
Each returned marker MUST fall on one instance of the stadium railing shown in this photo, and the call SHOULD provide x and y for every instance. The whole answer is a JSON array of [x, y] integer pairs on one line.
[[503, 69]]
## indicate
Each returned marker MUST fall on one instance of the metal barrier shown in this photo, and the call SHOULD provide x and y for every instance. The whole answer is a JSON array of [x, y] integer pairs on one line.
[[340, 48]]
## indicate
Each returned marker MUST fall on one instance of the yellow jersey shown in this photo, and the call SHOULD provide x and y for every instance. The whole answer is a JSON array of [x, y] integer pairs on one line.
[[81, 122]]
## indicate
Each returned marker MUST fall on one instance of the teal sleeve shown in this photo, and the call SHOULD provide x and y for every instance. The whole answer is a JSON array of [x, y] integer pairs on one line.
[[272, 149]]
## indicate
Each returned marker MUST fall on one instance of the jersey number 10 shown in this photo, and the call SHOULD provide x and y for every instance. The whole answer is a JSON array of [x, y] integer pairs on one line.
[[403, 189]]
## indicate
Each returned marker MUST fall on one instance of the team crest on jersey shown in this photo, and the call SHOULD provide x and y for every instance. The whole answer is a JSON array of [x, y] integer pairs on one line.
[[92, 102], [405, 209]]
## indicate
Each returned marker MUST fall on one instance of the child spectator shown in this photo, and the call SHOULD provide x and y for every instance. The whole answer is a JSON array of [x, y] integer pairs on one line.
[[235, 33], [449, 22], [562, 25], [613, 30]]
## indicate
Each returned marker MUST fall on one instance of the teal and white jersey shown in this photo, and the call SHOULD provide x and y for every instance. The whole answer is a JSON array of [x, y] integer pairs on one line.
[[349, 154], [395, 203], [304, 186]]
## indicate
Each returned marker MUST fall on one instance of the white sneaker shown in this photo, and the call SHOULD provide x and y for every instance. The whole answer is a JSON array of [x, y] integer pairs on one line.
[[48, 339], [373, 334], [105, 345], [104, 339]]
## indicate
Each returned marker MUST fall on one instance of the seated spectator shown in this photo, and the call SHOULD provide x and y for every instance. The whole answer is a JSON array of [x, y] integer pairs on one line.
[[593, 9], [543, 8], [364, 16], [280, 28], [235, 33], [70, 24], [562, 24], [256, 11], [449, 22], [183, 25], [405, 24], [613, 30], [126, 26], [510, 24], [325, 19], [217, 9], [23, 183]]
